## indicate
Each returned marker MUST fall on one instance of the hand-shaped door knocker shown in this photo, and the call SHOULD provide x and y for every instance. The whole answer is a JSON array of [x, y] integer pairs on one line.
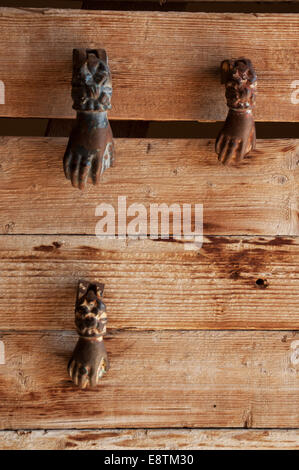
[[90, 148], [237, 138], [89, 361]]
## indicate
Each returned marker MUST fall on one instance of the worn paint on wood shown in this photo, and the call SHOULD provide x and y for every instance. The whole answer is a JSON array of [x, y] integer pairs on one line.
[[170, 439], [230, 283], [258, 197], [157, 379], [165, 65]]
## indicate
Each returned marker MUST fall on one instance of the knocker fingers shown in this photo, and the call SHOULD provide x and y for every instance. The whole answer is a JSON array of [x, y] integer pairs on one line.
[[74, 167], [84, 170], [95, 170], [66, 163], [223, 149], [231, 152], [77, 168], [219, 142], [83, 376]]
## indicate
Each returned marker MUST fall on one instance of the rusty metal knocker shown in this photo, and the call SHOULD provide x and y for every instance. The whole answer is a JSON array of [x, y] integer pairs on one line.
[[237, 137], [89, 361], [90, 149]]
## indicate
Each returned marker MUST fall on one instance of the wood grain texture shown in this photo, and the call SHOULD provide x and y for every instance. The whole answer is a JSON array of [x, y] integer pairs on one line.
[[259, 197], [157, 379], [150, 284], [170, 439], [165, 66]]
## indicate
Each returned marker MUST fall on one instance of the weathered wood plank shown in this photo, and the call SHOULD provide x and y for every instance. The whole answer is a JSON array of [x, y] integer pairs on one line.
[[259, 197], [151, 284], [114, 439], [165, 66], [157, 379]]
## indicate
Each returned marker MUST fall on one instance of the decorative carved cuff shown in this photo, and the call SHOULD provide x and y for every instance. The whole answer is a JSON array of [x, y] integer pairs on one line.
[[91, 82], [90, 314], [240, 81]]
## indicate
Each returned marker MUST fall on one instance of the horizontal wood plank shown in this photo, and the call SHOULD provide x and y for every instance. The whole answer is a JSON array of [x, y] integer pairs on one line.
[[258, 197], [229, 283], [165, 65], [170, 439], [157, 379]]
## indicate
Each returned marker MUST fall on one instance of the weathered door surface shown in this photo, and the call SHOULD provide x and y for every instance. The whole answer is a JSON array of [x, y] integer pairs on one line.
[[203, 342]]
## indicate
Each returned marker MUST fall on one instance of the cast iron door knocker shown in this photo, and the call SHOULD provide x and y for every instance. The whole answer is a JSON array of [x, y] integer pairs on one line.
[[237, 137], [90, 149], [89, 361]]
